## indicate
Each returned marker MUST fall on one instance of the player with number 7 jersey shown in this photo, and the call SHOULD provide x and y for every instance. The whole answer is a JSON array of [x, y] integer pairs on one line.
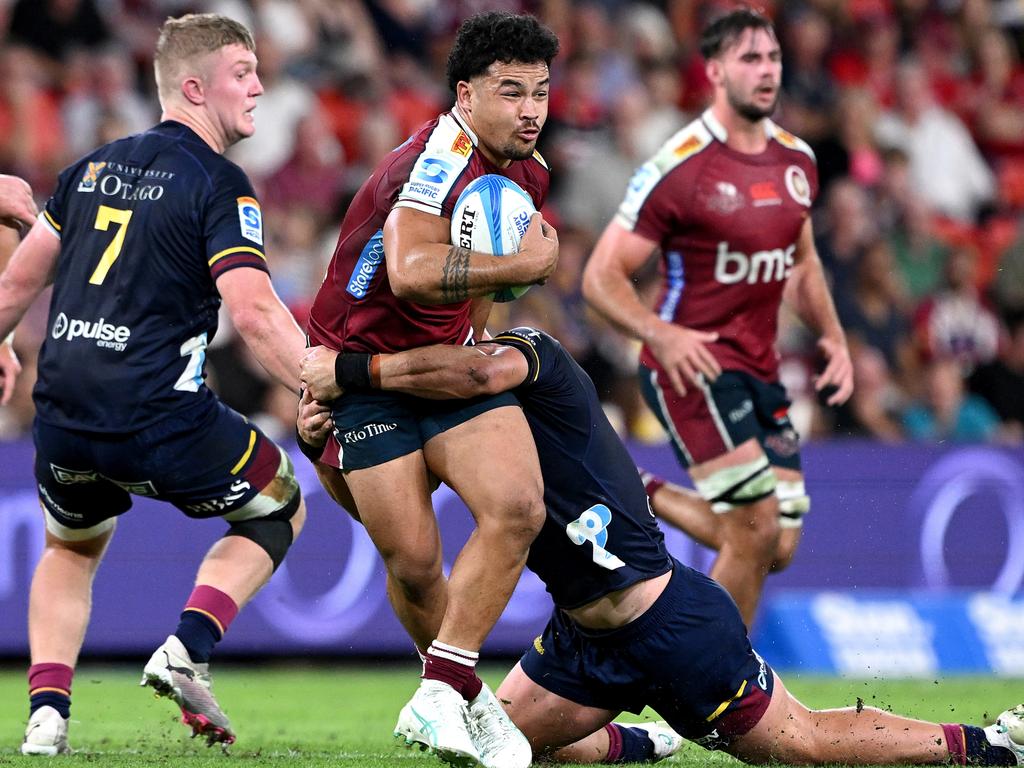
[[142, 240], [146, 226]]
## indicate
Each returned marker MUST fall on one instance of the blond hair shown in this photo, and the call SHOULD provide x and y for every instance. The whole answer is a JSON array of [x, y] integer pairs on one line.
[[186, 40]]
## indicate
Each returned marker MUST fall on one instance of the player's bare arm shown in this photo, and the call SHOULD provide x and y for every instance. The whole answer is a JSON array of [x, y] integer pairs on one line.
[[608, 287], [439, 372], [424, 266], [444, 371], [807, 292], [264, 322], [17, 208], [30, 269]]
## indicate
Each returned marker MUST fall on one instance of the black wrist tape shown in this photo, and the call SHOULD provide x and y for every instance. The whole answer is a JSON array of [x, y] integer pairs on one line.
[[309, 450], [352, 370]]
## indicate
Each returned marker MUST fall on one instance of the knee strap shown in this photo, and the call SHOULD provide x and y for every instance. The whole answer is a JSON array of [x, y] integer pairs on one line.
[[273, 533]]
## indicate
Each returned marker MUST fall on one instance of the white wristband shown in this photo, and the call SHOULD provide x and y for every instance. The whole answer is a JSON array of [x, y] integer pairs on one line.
[[9, 339]]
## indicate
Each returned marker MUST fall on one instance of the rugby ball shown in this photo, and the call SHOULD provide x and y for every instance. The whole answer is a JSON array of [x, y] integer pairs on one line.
[[490, 216]]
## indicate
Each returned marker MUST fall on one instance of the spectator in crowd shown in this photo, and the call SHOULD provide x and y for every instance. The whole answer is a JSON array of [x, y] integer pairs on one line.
[[945, 164], [875, 409], [54, 28], [1008, 285], [955, 321], [875, 311], [946, 412], [1001, 382], [920, 256], [846, 230], [31, 135], [106, 100]]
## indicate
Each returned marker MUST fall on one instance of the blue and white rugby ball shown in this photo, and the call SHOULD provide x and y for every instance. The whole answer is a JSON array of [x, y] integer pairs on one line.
[[490, 216]]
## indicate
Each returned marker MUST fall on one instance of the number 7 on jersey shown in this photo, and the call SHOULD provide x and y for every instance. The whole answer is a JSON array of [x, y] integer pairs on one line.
[[104, 217]]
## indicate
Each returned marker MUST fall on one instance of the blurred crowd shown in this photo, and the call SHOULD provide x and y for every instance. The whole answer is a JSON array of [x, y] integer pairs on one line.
[[915, 109]]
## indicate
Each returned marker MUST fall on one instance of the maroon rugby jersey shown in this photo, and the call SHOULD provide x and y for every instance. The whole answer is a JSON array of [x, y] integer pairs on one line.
[[728, 225], [354, 309]]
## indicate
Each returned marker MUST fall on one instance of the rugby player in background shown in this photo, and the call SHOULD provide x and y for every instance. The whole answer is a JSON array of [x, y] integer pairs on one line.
[[632, 626], [727, 202], [397, 282], [142, 240]]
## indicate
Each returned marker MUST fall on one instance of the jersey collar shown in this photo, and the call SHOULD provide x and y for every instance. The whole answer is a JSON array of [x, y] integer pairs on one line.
[[719, 132], [463, 124]]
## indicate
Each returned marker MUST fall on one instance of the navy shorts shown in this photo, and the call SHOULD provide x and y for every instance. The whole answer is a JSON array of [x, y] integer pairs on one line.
[[687, 657], [712, 420], [208, 461], [374, 427]]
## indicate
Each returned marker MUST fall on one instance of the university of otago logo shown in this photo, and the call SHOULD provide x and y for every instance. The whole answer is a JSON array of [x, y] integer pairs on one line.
[[92, 172]]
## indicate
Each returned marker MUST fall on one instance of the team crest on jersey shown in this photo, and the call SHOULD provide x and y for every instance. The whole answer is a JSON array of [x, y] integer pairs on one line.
[[797, 185], [92, 172], [462, 145], [250, 219], [726, 198]]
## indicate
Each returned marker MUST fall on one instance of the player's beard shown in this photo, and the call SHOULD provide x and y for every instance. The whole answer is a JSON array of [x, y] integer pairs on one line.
[[518, 150], [748, 109]]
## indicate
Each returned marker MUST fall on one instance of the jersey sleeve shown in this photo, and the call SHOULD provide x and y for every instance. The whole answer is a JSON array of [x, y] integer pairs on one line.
[[539, 349], [647, 209], [433, 182], [52, 214], [233, 228]]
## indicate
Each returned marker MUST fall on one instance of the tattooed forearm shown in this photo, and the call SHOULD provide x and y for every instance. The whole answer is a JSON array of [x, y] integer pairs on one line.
[[455, 275]]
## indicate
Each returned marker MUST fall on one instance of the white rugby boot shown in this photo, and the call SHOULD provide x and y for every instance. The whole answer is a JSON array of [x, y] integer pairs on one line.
[[437, 719], [46, 734], [1008, 732], [172, 673], [666, 741], [499, 742]]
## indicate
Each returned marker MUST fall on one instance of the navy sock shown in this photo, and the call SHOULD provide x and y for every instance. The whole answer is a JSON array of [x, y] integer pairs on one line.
[[635, 745], [199, 634], [981, 752], [59, 701]]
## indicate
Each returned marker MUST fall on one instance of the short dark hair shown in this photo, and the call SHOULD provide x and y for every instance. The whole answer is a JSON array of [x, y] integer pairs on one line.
[[498, 36], [725, 30]]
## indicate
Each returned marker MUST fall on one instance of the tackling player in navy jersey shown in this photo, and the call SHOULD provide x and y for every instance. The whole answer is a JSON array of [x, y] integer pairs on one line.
[[142, 240], [632, 627]]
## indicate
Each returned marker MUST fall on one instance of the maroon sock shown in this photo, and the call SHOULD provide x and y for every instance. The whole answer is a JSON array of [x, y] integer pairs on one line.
[[955, 743], [614, 743], [454, 666], [49, 685], [50, 675], [214, 604]]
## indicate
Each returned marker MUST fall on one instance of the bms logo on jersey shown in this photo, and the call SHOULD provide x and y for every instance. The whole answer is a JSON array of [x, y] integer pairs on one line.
[[733, 267], [107, 335]]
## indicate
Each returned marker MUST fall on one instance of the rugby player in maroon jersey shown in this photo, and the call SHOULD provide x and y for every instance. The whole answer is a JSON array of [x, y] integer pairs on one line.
[[397, 282], [726, 201]]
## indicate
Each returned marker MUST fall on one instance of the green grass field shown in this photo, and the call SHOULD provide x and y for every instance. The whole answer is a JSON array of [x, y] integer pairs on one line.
[[292, 715]]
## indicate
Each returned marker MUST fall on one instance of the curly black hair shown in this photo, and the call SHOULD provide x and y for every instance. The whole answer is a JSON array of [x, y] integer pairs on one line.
[[726, 30], [498, 36]]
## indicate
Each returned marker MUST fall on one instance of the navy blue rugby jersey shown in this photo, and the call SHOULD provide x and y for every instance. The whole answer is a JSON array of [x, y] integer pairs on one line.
[[599, 535], [147, 223]]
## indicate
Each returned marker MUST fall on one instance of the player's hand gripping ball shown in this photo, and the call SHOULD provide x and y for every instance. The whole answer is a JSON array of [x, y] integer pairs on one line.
[[490, 216]]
